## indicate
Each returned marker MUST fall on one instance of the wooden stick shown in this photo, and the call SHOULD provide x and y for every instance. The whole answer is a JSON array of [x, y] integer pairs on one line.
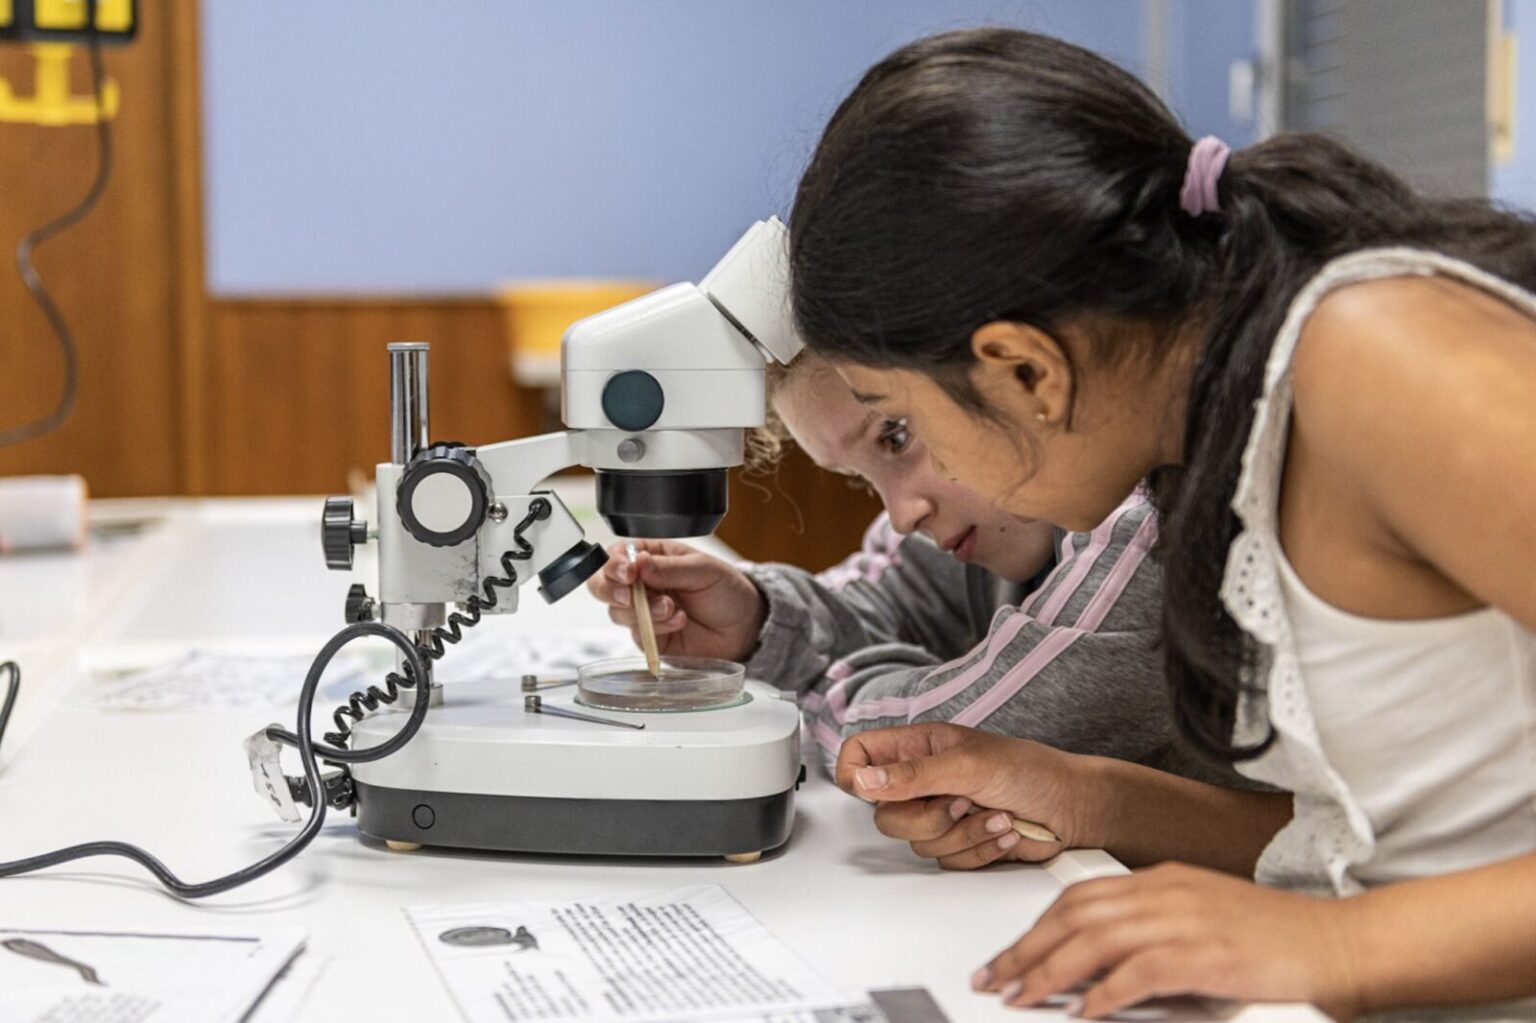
[[642, 603], [1034, 832]]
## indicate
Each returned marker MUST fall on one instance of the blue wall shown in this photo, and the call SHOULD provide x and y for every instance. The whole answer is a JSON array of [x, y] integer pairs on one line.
[[448, 145], [1515, 182], [1204, 38]]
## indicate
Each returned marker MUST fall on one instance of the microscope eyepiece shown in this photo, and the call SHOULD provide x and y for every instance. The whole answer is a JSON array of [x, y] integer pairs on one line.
[[662, 504]]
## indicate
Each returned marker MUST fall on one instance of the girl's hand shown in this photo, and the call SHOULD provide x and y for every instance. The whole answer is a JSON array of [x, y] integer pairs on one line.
[[701, 606], [1175, 929], [950, 791]]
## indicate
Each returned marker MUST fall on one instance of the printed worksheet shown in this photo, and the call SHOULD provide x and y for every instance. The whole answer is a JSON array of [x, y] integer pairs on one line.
[[84, 976], [684, 955]]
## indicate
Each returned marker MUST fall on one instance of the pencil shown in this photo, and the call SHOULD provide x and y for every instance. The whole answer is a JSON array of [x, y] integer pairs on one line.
[[647, 627]]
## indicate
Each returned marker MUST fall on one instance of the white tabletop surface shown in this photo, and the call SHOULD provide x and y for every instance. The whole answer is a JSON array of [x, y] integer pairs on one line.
[[248, 574]]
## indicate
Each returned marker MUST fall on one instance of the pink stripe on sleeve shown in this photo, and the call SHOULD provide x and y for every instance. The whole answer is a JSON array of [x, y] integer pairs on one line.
[[1063, 564], [1098, 543], [1054, 645], [1019, 676], [827, 737], [1120, 576]]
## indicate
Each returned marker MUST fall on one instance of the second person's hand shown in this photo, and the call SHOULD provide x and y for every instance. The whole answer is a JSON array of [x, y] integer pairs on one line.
[[953, 792], [701, 606]]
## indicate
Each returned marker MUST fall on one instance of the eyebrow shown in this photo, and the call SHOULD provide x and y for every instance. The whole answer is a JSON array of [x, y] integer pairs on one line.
[[854, 435]]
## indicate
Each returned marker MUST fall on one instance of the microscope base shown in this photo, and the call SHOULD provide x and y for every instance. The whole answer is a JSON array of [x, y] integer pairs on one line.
[[600, 827], [482, 773]]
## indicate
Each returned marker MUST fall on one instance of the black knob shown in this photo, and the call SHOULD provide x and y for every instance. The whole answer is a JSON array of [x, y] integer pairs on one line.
[[633, 400], [443, 495], [339, 532], [360, 606]]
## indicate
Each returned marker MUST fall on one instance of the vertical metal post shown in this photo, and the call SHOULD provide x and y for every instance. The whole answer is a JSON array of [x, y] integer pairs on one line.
[[407, 399]]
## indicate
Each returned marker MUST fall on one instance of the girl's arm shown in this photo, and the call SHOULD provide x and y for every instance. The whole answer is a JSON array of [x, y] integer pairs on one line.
[[1077, 667], [926, 778], [893, 590], [1410, 492]]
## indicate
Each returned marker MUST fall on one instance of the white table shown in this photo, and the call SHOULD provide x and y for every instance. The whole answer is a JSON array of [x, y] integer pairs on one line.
[[861, 908]]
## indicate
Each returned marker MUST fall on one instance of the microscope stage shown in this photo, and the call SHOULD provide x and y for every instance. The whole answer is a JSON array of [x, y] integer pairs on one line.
[[484, 773]]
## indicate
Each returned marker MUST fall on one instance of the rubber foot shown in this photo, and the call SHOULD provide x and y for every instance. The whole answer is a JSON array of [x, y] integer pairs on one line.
[[751, 857], [394, 846]]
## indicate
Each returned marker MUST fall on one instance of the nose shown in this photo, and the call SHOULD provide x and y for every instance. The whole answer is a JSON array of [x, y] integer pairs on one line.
[[909, 511]]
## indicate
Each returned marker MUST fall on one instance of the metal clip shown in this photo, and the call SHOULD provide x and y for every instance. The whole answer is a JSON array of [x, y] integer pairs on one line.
[[534, 704]]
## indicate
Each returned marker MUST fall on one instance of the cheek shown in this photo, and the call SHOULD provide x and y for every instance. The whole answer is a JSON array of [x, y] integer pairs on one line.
[[974, 457]]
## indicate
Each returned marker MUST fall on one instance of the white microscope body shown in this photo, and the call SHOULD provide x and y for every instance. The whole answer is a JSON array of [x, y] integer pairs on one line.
[[657, 393]]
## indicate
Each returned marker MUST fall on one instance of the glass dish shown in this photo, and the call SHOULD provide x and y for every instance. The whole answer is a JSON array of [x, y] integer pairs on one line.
[[685, 683]]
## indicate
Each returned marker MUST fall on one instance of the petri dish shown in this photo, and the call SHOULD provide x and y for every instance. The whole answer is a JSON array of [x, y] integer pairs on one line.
[[685, 683]]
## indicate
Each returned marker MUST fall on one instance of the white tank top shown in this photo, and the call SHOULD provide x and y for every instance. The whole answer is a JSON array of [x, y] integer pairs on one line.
[[1410, 745]]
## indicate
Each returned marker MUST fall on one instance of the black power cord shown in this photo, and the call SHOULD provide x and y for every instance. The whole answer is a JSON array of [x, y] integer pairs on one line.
[[34, 283], [12, 688], [417, 658]]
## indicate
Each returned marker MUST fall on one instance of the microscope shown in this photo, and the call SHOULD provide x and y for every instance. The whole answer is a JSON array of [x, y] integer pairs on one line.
[[656, 394]]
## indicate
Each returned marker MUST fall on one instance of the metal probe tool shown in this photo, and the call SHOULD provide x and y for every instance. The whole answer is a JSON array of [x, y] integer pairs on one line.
[[534, 704]]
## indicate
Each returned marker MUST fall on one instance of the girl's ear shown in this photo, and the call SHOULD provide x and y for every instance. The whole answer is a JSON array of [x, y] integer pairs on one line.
[[1023, 371]]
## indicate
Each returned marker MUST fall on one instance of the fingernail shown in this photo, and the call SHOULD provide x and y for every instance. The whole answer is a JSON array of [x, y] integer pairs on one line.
[[980, 979], [1008, 841], [1011, 992], [1073, 1007], [621, 597], [998, 823], [871, 778], [959, 808]]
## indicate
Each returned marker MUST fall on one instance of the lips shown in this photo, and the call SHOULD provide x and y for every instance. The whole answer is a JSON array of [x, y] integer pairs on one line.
[[962, 545]]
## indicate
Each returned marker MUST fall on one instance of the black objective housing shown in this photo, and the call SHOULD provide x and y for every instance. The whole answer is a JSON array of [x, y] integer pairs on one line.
[[662, 504]]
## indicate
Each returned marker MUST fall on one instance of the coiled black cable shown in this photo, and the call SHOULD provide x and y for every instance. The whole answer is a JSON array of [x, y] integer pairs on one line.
[[435, 646], [417, 659], [29, 275]]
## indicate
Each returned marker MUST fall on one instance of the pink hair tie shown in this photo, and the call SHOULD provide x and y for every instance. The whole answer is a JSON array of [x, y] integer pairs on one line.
[[1207, 160]]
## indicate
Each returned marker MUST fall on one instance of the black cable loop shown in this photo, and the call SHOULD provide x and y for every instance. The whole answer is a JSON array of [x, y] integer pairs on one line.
[[12, 691], [34, 282], [416, 667], [360, 703]]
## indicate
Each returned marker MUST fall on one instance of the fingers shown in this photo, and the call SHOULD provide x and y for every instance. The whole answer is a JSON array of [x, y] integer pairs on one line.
[[991, 828], [952, 773], [666, 616], [1085, 954], [888, 745], [1150, 973], [922, 820], [690, 570], [1082, 905]]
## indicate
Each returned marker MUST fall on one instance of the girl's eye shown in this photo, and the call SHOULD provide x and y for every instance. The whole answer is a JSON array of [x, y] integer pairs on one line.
[[894, 436], [861, 484]]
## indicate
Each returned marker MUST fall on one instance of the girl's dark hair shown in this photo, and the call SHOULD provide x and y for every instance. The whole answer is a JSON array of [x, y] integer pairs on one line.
[[994, 174]]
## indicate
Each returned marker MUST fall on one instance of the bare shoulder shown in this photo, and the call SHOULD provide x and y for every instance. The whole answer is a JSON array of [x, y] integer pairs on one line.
[[1398, 356]]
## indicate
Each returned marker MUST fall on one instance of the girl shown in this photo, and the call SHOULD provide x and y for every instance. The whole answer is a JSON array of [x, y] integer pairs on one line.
[[891, 635], [1331, 381]]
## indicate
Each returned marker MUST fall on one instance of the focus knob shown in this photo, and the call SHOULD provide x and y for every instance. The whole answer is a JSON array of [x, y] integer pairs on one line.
[[443, 495], [360, 606], [339, 532]]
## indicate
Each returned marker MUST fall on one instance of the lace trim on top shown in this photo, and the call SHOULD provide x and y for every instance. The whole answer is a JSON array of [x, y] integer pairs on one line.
[[1329, 831]]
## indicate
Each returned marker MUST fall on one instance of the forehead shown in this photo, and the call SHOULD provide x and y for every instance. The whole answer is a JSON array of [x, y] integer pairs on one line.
[[821, 413], [878, 386]]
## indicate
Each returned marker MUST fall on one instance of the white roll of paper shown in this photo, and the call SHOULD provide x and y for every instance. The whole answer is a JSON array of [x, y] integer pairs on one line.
[[42, 512]]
